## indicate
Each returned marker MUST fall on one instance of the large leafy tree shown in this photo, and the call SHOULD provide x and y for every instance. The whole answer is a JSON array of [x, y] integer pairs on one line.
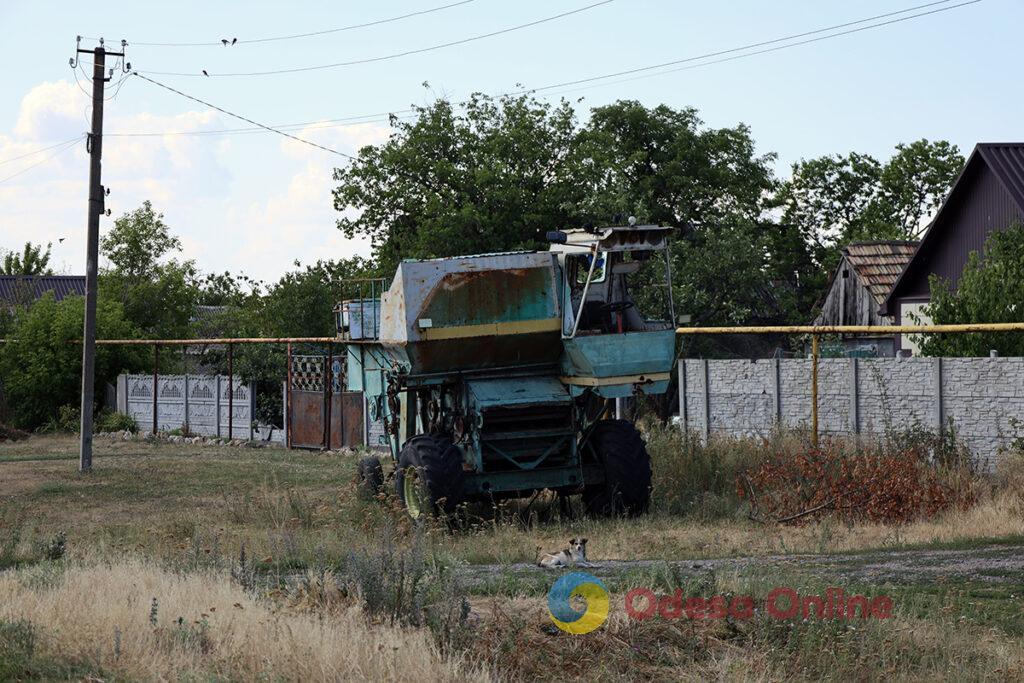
[[834, 200], [301, 303], [157, 291], [32, 260], [731, 264], [492, 176], [990, 290], [40, 370]]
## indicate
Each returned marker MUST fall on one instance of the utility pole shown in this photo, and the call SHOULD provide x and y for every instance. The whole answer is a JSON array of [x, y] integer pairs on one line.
[[96, 195]]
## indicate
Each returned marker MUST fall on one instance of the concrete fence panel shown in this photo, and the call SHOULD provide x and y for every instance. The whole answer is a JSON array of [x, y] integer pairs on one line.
[[981, 398]]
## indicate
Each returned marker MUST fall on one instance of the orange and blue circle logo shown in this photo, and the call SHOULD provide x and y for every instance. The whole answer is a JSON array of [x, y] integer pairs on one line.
[[586, 586]]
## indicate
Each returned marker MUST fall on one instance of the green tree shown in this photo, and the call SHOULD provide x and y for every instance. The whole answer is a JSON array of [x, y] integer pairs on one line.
[[990, 290], [158, 292], [730, 263], [301, 303], [834, 200], [40, 370], [491, 178], [31, 261]]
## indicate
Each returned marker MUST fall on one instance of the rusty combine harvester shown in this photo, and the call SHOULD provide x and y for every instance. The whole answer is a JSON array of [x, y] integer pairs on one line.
[[494, 375]]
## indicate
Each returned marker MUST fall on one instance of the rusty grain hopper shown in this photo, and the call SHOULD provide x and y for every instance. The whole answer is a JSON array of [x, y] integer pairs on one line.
[[494, 374]]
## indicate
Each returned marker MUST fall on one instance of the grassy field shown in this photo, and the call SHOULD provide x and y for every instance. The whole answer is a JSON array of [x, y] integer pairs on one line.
[[193, 524]]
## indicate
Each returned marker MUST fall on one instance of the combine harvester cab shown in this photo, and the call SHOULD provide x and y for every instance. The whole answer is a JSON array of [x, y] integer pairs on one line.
[[493, 374]]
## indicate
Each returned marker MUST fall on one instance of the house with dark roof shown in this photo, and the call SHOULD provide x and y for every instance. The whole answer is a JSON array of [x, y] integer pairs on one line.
[[859, 285], [24, 289], [988, 195]]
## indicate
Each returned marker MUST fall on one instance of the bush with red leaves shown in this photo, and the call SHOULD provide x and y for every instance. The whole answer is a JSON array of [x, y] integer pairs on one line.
[[873, 486]]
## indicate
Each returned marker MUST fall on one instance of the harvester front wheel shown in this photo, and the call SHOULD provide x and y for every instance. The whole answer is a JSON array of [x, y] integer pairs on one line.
[[429, 476], [626, 489]]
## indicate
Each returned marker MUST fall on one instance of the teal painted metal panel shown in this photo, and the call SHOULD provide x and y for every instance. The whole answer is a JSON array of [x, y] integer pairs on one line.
[[487, 393], [612, 355]]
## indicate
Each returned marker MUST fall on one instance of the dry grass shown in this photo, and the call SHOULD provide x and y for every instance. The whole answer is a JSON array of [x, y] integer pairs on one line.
[[102, 618], [518, 640], [203, 503]]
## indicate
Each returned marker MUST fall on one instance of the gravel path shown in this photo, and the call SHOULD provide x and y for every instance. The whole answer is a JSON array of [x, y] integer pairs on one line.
[[991, 564]]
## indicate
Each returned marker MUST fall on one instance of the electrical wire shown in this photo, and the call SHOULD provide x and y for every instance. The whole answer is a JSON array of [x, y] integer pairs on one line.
[[767, 42], [345, 122], [242, 118], [311, 34], [42, 149], [591, 80], [382, 58], [63, 148]]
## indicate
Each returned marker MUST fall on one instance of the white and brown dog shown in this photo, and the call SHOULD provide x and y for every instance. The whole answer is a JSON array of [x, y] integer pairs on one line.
[[574, 555]]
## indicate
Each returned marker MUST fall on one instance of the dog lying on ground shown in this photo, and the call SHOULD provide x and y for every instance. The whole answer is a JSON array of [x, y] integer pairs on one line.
[[574, 555]]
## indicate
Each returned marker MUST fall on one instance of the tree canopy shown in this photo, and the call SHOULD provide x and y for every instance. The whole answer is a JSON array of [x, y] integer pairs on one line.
[[835, 200], [158, 293], [32, 260], [990, 290]]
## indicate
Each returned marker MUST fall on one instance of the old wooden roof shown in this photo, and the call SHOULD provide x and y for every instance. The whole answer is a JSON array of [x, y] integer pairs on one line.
[[879, 264]]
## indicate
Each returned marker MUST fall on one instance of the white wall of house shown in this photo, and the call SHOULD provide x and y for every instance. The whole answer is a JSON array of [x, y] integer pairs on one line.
[[913, 314]]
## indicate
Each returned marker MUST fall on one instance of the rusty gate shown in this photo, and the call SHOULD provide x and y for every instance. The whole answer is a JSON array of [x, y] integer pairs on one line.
[[320, 414]]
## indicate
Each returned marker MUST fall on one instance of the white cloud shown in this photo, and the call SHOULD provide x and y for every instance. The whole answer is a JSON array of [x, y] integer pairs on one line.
[[220, 208], [52, 111]]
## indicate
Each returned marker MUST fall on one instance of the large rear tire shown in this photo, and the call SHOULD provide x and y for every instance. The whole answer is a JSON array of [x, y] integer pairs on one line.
[[429, 477], [626, 489]]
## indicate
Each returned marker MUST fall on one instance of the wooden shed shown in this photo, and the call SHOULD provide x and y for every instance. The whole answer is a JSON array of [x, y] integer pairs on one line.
[[860, 285]]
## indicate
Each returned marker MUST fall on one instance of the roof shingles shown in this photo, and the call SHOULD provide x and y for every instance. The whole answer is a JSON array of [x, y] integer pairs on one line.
[[879, 264]]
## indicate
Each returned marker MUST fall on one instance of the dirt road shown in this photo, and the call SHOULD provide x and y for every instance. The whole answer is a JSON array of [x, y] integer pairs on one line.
[[988, 564]]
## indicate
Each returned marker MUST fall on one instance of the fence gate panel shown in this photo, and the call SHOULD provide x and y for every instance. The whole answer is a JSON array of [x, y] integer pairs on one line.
[[308, 401]]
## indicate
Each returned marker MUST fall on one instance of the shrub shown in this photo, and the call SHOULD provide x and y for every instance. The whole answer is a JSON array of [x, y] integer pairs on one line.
[[41, 368], [11, 434], [114, 421], [874, 484], [68, 419], [693, 478]]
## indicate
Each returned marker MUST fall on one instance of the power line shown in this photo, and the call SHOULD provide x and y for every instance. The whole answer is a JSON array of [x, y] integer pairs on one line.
[[382, 58], [42, 149], [378, 22], [242, 118], [63, 148], [769, 42], [696, 58]]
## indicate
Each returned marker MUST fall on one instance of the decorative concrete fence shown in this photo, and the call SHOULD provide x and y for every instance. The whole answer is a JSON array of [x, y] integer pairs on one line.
[[982, 398], [199, 401]]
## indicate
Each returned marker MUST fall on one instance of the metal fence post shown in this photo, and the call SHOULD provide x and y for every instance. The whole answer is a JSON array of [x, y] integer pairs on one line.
[[156, 374], [328, 395], [231, 391], [288, 399], [854, 396], [707, 400], [777, 392], [217, 405], [684, 418], [814, 390], [185, 416]]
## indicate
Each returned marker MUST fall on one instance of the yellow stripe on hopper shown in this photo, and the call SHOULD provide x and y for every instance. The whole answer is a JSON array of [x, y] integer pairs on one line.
[[492, 329], [621, 379]]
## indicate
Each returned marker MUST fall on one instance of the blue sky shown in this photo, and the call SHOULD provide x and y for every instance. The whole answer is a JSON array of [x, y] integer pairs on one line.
[[258, 202]]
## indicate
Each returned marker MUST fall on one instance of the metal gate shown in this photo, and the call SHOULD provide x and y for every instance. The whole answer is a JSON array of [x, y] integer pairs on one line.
[[315, 390]]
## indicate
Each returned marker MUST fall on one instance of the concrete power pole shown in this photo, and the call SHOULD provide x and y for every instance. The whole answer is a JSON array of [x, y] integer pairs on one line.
[[96, 196]]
